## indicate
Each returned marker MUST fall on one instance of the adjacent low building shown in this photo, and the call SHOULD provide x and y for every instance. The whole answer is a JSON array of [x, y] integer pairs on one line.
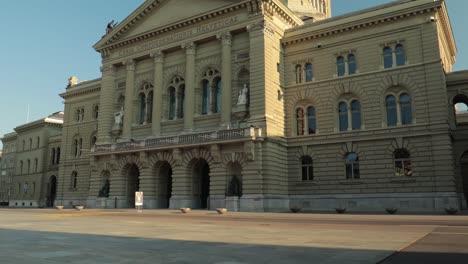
[[33, 154]]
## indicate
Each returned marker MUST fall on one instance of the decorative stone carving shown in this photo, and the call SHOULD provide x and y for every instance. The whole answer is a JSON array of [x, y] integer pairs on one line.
[[119, 117], [243, 98], [110, 26], [72, 81], [104, 192]]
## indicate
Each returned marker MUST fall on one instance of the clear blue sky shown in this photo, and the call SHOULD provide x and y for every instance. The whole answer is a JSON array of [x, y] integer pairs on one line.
[[43, 42]]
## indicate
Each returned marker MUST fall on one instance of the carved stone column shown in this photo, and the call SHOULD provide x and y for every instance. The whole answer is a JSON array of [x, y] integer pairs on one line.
[[226, 77], [129, 91], [190, 50], [157, 94], [106, 104]]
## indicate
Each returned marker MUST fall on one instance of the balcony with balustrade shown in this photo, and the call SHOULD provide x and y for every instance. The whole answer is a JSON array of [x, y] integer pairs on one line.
[[180, 141]]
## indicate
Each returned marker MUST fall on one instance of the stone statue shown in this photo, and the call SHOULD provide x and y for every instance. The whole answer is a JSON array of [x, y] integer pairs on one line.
[[243, 98], [104, 192], [119, 117], [72, 81], [110, 26], [234, 187]]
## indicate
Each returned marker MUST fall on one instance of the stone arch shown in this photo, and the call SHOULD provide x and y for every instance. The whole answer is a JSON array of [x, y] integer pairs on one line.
[[159, 157], [303, 98], [349, 147], [402, 143], [200, 153], [239, 157], [170, 72], [130, 159], [398, 80], [143, 79], [305, 151], [347, 89]]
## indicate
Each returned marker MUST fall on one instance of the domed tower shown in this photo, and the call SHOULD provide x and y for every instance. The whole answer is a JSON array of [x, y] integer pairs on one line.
[[310, 9]]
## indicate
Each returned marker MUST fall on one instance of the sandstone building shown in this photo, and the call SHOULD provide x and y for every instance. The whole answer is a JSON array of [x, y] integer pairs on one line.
[[263, 105]]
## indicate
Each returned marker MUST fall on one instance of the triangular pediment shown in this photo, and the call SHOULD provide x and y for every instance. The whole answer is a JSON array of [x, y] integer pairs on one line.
[[154, 14]]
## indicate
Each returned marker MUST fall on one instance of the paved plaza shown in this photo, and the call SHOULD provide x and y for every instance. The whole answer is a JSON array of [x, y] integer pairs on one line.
[[126, 236]]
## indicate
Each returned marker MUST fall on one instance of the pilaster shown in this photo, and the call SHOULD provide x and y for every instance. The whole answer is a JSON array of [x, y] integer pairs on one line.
[[106, 104], [129, 91], [226, 77], [157, 95], [190, 50]]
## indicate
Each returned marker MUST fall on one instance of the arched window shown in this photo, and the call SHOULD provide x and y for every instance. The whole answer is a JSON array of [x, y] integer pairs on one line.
[[352, 67], [30, 143], [96, 112], [93, 141], [300, 121], [402, 163], [311, 121], [74, 180], [78, 115], [352, 166], [356, 114], [36, 165], [343, 116], [82, 114], [217, 95], [307, 169], [172, 103], [308, 72], [181, 101], [76, 145], [29, 166], [298, 73], [57, 159], [21, 167], [341, 66], [149, 113], [24, 145], [388, 57], [53, 156], [406, 112], [205, 97], [142, 100], [400, 55], [80, 147], [391, 106], [38, 142]]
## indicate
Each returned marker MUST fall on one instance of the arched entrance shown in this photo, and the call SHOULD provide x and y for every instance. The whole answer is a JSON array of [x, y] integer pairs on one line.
[[201, 183], [132, 174], [460, 104], [165, 184], [464, 174], [52, 191]]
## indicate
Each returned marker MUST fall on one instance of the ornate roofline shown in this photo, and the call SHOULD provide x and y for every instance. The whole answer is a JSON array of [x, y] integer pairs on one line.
[[87, 88], [357, 24], [254, 7]]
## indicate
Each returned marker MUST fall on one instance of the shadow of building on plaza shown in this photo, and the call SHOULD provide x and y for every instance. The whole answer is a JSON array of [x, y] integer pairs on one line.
[[23, 246]]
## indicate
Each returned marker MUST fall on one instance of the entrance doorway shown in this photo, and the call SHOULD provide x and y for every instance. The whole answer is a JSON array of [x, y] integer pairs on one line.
[[133, 183], [165, 184], [464, 174], [201, 182], [52, 191]]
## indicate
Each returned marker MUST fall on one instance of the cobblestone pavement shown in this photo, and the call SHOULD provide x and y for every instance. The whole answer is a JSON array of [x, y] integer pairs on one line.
[[152, 236]]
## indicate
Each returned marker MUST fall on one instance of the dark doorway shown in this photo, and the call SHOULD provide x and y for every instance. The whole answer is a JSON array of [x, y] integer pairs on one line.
[[165, 184], [201, 174], [464, 174], [52, 191], [133, 183]]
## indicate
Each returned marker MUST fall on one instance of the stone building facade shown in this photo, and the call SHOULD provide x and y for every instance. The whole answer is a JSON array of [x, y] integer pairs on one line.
[[265, 105], [30, 169]]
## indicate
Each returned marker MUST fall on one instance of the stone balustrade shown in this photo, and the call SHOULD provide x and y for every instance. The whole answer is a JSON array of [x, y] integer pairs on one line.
[[251, 133]]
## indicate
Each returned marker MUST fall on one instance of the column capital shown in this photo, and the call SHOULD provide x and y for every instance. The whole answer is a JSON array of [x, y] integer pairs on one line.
[[260, 27], [130, 64], [158, 56], [225, 38], [108, 69], [190, 48]]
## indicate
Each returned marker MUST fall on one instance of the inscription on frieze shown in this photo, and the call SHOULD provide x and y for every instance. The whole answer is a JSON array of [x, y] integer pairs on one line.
[[178, 36]]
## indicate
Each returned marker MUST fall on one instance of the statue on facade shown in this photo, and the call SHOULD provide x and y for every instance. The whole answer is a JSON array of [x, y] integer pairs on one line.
[[119, 117], [72, 81], [243, 98], [110, 26], [104, 192], [234, 187]]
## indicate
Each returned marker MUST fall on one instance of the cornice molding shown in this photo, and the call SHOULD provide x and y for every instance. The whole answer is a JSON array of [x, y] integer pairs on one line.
[[80, 91], [359, 24]]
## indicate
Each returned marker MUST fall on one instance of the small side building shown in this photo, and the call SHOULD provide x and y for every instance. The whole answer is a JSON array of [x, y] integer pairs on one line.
[[7, 167], [34, 178]]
